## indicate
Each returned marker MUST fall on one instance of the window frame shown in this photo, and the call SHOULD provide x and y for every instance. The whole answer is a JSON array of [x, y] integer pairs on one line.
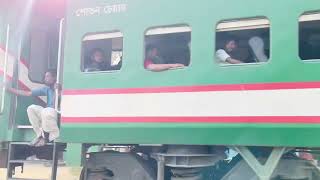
[[165, 28], [309, 17], [82, 58], [250, 27]]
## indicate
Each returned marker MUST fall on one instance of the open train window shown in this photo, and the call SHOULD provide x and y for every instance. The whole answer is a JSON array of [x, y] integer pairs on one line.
[[309, 36], [102, 52], [167, 48], [243, 41]]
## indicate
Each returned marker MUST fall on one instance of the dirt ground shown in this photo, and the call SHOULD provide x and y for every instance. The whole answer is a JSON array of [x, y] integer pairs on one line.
[[41, 172]]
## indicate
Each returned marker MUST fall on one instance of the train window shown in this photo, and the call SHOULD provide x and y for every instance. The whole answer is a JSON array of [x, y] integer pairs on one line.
[[102, 52], [309, 36], [243, 41], [167, 48]]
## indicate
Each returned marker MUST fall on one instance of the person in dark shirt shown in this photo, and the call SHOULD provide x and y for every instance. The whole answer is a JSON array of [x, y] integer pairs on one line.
[[97, 61], [42, 119]]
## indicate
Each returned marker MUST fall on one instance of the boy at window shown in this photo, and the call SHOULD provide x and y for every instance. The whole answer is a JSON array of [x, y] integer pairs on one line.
[[224, 55], [43, 120], [155, 63], [97, 61]]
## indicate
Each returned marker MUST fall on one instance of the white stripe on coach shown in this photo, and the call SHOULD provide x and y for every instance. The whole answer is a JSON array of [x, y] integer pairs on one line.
[[292, 102]]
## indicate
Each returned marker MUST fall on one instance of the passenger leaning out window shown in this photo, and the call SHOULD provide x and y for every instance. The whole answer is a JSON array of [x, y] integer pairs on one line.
[[154, 62], [224, 55]]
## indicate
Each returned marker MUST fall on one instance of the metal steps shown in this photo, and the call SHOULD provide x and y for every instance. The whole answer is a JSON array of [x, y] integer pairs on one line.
[[28, 143], [19, 151], [40, 161], [24, 127]]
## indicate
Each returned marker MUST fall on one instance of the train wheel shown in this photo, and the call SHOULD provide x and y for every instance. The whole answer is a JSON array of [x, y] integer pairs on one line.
[[104, 174]]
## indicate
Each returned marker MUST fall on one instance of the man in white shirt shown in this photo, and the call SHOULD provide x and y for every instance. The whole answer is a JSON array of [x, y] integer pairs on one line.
[[223, 55]]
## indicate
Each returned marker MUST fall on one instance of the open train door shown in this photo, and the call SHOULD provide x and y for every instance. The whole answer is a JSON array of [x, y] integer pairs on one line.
[[10, 52], [38, 50], [6, 67], [30, 44]]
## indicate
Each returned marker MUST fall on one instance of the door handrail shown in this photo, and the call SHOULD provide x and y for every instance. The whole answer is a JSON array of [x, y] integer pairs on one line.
[[59, 64], [5, 68]]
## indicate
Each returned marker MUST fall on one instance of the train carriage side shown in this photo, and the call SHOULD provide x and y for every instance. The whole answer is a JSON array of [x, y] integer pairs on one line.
[[203, 104], [249, 104], [187, 115]]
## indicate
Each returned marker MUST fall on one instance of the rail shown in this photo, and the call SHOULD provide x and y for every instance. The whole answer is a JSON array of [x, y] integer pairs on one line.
[[59, 65], [5, 68]]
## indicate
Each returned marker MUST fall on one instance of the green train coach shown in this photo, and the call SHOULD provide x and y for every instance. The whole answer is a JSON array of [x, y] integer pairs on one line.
[[167, 89]]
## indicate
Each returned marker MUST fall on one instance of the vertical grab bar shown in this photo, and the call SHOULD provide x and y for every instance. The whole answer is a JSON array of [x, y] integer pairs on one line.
[[5, 68], [56, 106]]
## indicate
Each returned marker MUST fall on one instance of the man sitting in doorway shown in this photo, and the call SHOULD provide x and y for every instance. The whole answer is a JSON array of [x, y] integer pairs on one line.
[[224, 55], [155, 63], [43, 120]]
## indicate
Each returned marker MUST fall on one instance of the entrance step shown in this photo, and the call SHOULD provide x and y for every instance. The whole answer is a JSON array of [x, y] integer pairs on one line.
[[20, 151], [24, 127]]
